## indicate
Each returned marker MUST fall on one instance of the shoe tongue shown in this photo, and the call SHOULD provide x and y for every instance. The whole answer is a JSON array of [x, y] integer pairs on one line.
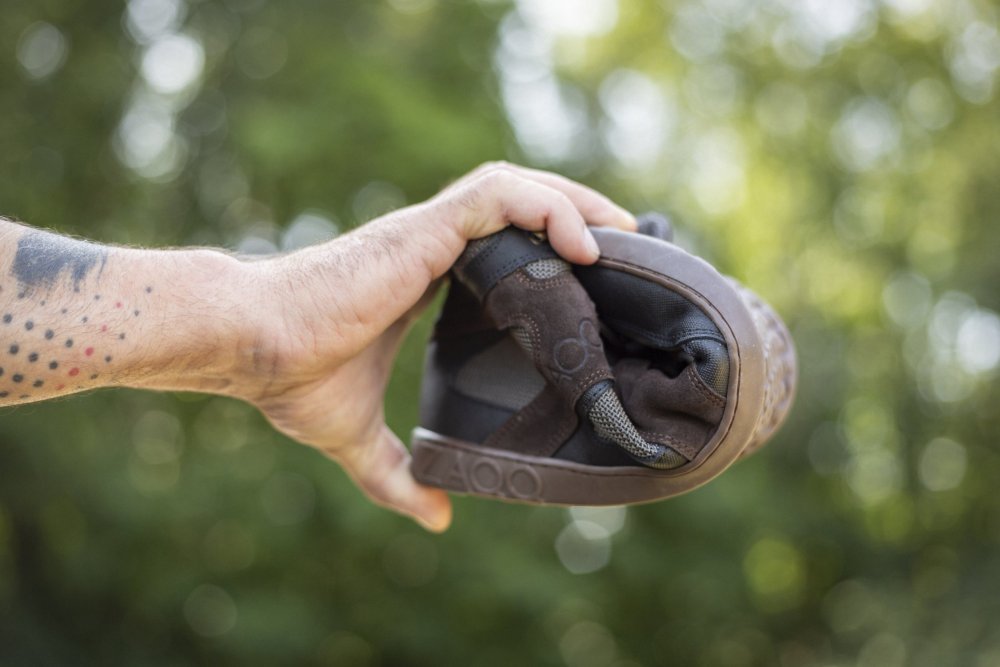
[[656, 225]]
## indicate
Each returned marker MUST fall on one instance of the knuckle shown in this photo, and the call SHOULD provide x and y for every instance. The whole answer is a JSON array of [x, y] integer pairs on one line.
[[498, 179], [495, 165], [561, 203]]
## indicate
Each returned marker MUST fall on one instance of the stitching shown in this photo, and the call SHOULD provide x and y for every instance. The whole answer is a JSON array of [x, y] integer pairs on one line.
[[684, 335], [689, 451], [705, 391], [543, 285]]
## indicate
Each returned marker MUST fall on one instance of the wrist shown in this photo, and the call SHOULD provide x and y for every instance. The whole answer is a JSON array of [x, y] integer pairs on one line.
[[202, 329]]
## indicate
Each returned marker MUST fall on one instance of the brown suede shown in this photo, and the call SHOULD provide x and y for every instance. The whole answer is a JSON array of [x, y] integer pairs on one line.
[[565, 344], [703, 371], [538, 429], [565, 347], [681, 412]]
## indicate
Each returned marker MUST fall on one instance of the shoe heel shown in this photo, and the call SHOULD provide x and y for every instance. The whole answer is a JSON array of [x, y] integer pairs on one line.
[[449, 464]]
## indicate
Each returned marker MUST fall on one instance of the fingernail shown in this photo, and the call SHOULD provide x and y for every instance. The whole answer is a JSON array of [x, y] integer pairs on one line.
[[591, 244], [629, 218]]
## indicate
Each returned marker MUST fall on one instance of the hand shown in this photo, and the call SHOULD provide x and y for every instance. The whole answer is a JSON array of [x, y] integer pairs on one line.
[[345, 307]]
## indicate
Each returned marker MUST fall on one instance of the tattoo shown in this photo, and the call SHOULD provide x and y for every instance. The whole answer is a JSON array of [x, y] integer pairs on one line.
[[52, 349], [42, 257]]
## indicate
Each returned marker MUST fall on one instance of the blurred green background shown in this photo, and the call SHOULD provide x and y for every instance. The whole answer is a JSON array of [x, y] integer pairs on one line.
[[842, 157]]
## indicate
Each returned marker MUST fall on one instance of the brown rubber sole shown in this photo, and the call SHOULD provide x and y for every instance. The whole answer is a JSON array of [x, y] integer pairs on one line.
[[751, 405]]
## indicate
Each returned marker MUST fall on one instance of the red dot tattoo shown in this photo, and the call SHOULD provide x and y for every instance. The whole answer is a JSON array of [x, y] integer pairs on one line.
[[89, 351], [73, 372]]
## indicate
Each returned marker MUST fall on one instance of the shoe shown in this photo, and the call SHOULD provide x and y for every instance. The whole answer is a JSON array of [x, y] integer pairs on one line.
[[637, 378]]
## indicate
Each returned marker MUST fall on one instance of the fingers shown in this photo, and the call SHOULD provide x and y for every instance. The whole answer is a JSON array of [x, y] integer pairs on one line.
[[530, 205], [595, 208], [500, 197], [382, 470]]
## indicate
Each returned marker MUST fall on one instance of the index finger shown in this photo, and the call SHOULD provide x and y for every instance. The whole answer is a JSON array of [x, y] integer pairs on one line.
[[595, 208]]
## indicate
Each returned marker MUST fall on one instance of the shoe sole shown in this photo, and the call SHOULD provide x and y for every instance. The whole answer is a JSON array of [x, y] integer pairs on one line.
[[469, 468]]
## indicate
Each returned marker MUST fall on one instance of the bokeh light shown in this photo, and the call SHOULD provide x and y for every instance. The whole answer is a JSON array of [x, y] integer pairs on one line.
[[837, 157]]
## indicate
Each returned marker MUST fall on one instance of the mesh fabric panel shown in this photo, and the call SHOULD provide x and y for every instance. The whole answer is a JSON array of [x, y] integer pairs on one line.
[[712, 361], [608, 418], [656, 317], [546, 268], [523, 338]]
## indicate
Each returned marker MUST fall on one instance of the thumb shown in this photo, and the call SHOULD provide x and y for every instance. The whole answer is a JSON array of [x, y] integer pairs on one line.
[[382, 470]]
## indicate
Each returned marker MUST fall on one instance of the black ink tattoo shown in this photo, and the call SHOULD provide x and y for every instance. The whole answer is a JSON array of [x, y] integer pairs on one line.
[[42, 257], [14, 349]]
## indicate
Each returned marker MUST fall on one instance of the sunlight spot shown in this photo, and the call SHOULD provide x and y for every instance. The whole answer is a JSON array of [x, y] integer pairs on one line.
[[41, 50], [172, 63]]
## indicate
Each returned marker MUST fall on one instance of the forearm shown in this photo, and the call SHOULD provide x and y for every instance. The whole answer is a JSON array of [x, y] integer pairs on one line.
[[76, 315]]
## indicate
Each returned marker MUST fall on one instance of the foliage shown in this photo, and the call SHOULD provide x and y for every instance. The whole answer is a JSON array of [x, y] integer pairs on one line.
[[839, 158]]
